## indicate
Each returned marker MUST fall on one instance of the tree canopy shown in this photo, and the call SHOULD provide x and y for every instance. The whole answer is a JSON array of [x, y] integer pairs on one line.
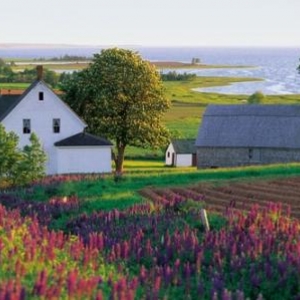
[[121, 97], [20, 167], [256, 98]]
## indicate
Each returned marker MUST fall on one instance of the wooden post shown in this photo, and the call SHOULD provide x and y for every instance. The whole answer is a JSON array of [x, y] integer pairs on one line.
[[204, 219]]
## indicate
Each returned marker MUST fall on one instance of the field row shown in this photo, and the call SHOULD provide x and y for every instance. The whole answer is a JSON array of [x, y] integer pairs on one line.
[[240, 195]]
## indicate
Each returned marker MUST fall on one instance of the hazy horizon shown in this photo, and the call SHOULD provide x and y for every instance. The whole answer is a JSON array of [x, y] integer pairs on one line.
[[51, 45], [176, 23]]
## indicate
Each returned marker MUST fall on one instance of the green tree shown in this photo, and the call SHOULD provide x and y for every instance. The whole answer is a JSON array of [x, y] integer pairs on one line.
[[51, 77], [2, 63], [32, 163], [20, 166], [121, 97], [256, 98], [9, 155]]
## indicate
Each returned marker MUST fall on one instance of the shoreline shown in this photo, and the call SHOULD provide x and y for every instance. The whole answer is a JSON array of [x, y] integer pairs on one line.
[[182, 65], [79, 65]]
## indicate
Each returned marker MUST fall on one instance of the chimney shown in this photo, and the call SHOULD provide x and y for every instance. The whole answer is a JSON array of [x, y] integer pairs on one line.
[[39, 71]]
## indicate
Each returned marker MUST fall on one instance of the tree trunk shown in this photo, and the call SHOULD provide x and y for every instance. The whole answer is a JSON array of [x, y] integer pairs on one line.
[[119, 159]]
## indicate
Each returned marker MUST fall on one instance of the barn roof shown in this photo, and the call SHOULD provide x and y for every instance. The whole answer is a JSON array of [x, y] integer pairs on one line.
[[269, 126], [184, 146], [83, 139]]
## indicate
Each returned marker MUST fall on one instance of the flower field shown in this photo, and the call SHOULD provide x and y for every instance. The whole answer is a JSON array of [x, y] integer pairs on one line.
[[154, 250]]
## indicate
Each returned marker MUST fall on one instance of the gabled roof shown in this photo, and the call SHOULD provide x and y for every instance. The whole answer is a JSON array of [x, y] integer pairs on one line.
[[269, 126], [184, 146], [7, 104], [83, 139]]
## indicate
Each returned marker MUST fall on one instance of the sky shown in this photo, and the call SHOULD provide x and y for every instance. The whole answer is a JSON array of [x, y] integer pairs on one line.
[[151, 22]]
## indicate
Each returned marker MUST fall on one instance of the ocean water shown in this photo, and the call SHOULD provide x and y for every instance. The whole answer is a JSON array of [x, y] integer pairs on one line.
[[277, 66]]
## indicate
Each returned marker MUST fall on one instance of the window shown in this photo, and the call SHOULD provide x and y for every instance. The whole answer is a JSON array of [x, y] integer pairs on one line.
[[250, 153], [26, 126], [168, 154], [41, 96], [56, 125]]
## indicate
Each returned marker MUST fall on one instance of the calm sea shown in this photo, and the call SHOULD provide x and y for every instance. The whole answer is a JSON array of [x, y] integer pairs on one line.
[[277, 66]]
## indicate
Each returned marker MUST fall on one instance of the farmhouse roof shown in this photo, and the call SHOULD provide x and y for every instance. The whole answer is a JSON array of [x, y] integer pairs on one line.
[[83, 139], [184, 146], [9, 102], [265, 126]]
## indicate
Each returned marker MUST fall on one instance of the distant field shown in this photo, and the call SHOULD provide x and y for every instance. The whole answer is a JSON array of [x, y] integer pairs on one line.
[[178, 65], [14, 86], [55, 66]]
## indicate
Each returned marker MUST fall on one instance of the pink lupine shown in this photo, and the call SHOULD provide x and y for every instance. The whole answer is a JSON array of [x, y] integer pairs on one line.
[[142, 275], [99, 296], [72, 278], [40, 285]]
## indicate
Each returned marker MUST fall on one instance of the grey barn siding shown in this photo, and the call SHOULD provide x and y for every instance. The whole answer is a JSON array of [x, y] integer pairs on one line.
[[239, 135], [232, 157]]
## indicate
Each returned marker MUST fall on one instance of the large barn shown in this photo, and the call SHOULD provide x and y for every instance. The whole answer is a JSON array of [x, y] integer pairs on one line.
[[239, 135]]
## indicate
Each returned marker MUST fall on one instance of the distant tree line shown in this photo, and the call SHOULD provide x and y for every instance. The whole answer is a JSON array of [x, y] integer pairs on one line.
[[174, 76], [65, 57], [7, 75]]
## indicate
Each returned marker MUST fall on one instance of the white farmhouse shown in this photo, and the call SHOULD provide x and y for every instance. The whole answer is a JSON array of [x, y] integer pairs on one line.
[[181, 153], [69, 149]]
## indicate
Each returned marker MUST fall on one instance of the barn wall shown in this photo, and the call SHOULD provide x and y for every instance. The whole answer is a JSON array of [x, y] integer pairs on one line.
[[230, 157]]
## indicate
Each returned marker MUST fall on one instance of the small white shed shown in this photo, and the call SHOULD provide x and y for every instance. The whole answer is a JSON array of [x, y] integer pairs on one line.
[[181, 153]]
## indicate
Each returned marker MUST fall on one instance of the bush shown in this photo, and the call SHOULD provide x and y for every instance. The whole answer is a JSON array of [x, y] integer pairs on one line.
[[256, 98], [20, 167]]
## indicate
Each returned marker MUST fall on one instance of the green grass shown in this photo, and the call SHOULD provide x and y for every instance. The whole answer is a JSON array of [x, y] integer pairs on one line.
[[185, 115], [14, 86], [52, 66], [106, 193], [182, 90]]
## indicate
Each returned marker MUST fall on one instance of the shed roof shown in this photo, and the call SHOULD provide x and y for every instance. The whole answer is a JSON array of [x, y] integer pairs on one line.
[[184, 146], [269, 126], [83, 139]]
